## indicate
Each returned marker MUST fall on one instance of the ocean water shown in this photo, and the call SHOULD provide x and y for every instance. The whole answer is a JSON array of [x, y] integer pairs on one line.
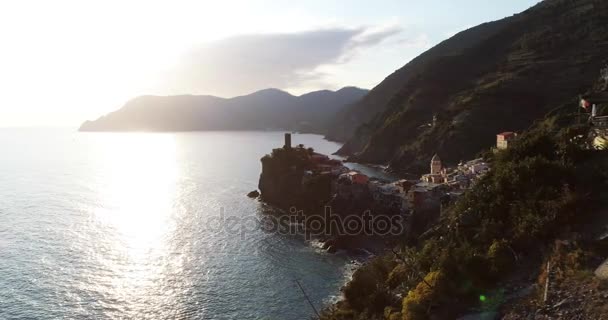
[[129, 226]]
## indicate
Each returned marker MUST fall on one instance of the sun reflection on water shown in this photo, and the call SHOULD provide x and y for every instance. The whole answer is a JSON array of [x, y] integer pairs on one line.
[[116, 226], [136, 196]]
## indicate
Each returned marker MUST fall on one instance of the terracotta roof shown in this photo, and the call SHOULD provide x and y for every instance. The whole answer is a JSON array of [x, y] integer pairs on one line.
[[354, 173], [506, 133]]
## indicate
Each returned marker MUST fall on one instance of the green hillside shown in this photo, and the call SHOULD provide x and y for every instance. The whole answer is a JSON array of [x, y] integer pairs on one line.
[[499, 76]]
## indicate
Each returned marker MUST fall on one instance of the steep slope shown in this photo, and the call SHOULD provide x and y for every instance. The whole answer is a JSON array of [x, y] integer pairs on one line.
[[495, 77], [345, 123], [265, 109]]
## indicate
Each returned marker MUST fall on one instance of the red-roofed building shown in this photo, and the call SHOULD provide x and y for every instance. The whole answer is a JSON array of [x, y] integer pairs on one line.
[[502, 139], [357, 178]]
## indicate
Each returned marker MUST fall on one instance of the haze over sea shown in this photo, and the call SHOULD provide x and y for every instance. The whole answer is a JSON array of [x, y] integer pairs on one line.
[[115, 225]]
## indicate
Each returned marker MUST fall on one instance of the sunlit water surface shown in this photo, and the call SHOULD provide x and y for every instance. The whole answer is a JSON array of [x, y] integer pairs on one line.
[[116, 225]]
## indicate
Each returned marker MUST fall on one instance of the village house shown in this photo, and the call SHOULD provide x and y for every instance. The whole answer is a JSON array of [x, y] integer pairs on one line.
[[351, 185], [357, 178], [479, 168], [323, 168], [389, 195], [425, 195], [416, 197], [503, 139], [323, 164]]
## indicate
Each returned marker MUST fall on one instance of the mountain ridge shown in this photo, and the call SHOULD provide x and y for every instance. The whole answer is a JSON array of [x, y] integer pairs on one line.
[[261, 110]]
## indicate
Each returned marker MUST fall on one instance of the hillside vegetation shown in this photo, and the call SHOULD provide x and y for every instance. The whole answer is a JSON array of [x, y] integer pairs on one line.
[[498, 76], [548, 186]]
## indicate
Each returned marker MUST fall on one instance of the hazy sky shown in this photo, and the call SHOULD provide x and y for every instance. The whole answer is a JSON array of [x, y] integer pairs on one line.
[[62, 62]]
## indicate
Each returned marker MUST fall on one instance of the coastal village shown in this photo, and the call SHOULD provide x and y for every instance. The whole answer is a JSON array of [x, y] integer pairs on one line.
[[432, 191]]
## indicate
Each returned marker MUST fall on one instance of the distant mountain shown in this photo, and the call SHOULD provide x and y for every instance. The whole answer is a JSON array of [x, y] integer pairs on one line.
[[498, 76], [261, 110]]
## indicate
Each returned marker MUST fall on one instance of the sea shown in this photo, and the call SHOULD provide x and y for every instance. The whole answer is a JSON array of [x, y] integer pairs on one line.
[[151, 226]]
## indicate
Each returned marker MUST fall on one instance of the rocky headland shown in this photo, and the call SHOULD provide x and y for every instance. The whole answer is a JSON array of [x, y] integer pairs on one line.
[[299, 181]]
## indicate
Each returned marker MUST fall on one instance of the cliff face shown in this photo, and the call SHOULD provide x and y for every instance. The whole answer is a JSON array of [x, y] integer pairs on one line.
[[499, 76], [279, 185], [282, 182], [266, 109]]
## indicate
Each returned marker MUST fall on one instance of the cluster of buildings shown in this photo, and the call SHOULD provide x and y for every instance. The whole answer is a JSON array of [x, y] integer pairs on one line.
[[459, 177], [346, 183], [444, 184], [434, 189], [429, 192], [439, 187], [322, 164]]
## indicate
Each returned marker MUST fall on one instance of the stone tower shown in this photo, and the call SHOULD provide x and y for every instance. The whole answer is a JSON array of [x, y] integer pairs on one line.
[[287, 141], [436, 165]]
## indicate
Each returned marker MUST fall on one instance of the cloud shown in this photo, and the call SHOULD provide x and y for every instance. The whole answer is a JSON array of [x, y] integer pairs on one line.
[[373, 36], [246, 63]]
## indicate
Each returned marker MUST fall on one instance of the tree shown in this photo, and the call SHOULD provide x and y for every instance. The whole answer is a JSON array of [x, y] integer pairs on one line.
[[604, 75]]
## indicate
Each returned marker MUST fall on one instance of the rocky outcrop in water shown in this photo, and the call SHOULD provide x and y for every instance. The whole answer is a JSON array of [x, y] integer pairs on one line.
[[253, 194]]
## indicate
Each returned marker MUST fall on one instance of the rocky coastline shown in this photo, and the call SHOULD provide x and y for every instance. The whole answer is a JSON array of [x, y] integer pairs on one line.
[[300, 182]]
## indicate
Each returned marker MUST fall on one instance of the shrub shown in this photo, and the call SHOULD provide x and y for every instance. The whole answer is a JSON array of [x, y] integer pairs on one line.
[[419, 302], [367, 290], [500, 257], [397, 276]]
